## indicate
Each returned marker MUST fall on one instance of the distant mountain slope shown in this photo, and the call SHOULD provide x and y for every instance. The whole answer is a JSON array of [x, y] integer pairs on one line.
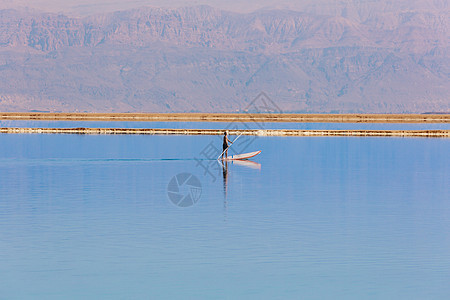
[[205, 59]]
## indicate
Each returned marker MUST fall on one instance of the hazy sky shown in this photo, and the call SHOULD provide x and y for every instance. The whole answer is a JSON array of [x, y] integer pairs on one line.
[[84, 7], [107, 5]]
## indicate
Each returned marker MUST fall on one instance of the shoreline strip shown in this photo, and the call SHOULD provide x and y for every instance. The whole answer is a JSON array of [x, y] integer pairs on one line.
[[230, 117], [252, 132]]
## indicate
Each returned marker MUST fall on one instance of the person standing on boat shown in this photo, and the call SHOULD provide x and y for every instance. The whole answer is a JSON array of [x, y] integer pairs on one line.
[[225, 145]]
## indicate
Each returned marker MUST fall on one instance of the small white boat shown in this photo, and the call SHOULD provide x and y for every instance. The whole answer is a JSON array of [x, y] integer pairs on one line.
[[242, 156]]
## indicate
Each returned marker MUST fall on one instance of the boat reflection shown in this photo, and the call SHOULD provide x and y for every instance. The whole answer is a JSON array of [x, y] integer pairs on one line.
[[248, 163]]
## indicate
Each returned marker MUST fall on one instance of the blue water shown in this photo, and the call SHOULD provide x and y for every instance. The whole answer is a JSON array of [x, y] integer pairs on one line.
[[227, 125], [89, 217]]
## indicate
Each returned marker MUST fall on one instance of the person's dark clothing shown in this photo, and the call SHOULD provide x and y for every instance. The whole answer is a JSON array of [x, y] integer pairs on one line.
[[225, 143]]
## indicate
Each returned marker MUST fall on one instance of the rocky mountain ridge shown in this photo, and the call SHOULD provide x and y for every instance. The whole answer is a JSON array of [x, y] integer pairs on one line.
[[205, 59]]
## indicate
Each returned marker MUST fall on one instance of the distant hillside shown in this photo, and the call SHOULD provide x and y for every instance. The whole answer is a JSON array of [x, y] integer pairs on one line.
[[205, 59]]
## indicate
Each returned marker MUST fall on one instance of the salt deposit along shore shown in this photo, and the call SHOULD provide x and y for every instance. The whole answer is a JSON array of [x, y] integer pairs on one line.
[[230, 117]]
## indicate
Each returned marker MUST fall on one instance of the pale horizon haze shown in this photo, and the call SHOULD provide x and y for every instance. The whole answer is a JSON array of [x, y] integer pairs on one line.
[[85, 7]]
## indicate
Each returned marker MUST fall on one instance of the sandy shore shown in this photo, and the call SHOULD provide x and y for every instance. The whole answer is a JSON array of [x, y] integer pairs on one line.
[[227, 117], [267, 132]]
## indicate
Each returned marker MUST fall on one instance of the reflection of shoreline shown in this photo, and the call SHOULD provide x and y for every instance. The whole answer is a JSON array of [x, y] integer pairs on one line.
[[233, 117]]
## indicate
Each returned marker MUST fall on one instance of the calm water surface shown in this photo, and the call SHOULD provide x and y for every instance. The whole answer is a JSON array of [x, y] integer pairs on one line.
[[89, 217]]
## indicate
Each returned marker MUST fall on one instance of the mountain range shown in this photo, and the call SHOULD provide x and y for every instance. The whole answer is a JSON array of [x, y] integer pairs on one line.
[[352, 59]]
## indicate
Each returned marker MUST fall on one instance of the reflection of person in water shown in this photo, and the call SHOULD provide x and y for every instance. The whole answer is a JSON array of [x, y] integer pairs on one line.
[[225, 178], [225, 187]]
